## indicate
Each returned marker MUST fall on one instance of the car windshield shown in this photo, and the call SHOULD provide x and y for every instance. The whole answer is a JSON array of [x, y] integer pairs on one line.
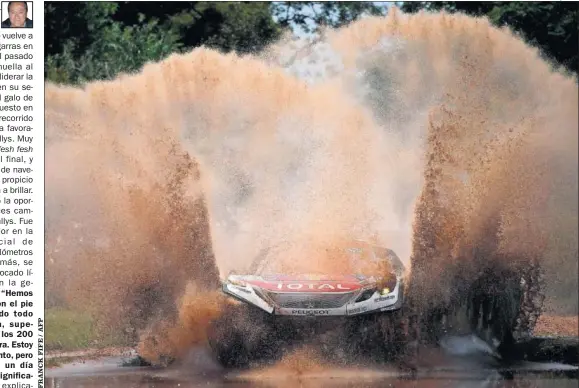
[[352, 257]]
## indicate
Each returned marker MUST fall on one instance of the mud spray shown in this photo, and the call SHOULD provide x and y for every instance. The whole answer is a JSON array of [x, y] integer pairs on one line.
[[451, 140]]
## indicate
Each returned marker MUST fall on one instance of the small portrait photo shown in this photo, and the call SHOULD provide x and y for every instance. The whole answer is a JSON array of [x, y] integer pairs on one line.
[[17, 14]]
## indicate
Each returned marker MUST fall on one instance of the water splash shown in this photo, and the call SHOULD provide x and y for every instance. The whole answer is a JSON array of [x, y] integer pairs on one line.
[[438, 133]]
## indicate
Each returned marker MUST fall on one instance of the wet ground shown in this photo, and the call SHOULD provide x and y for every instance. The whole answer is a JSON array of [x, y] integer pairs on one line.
[[459, 362]]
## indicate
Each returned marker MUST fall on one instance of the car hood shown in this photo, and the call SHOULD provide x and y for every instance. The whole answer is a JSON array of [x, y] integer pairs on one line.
[[306, 283]]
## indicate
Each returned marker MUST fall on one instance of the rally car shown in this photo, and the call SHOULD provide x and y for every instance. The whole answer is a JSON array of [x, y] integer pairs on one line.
[[364, 285], [321, 294]]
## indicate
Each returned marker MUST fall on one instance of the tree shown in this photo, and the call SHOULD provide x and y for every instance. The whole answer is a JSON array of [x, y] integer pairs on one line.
[[550, 26], [98, 40], [229, 26], [94, 46]]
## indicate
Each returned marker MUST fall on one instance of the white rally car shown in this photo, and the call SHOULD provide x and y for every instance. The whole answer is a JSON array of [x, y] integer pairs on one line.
[[276, 307], [323, 295]]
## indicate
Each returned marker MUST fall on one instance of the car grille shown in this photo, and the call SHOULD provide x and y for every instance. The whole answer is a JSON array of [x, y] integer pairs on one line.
[[310, 300]]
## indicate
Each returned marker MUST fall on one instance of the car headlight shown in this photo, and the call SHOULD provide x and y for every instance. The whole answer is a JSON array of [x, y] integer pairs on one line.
[[384, 291], [386, 284]]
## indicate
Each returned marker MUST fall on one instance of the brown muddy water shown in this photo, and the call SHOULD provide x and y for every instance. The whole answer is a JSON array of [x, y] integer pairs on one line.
[[133, 381], [528, 376], [458, 364]]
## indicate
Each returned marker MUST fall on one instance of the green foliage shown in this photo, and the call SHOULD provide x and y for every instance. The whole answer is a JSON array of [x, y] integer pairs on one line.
[[550, 26], [245, 27], [99, 40], [120, 49], [112, 48], [86, 41], [239, 26]]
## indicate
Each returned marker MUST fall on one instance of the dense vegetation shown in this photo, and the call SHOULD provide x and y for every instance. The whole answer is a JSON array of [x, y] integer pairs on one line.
[[97, 40]]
